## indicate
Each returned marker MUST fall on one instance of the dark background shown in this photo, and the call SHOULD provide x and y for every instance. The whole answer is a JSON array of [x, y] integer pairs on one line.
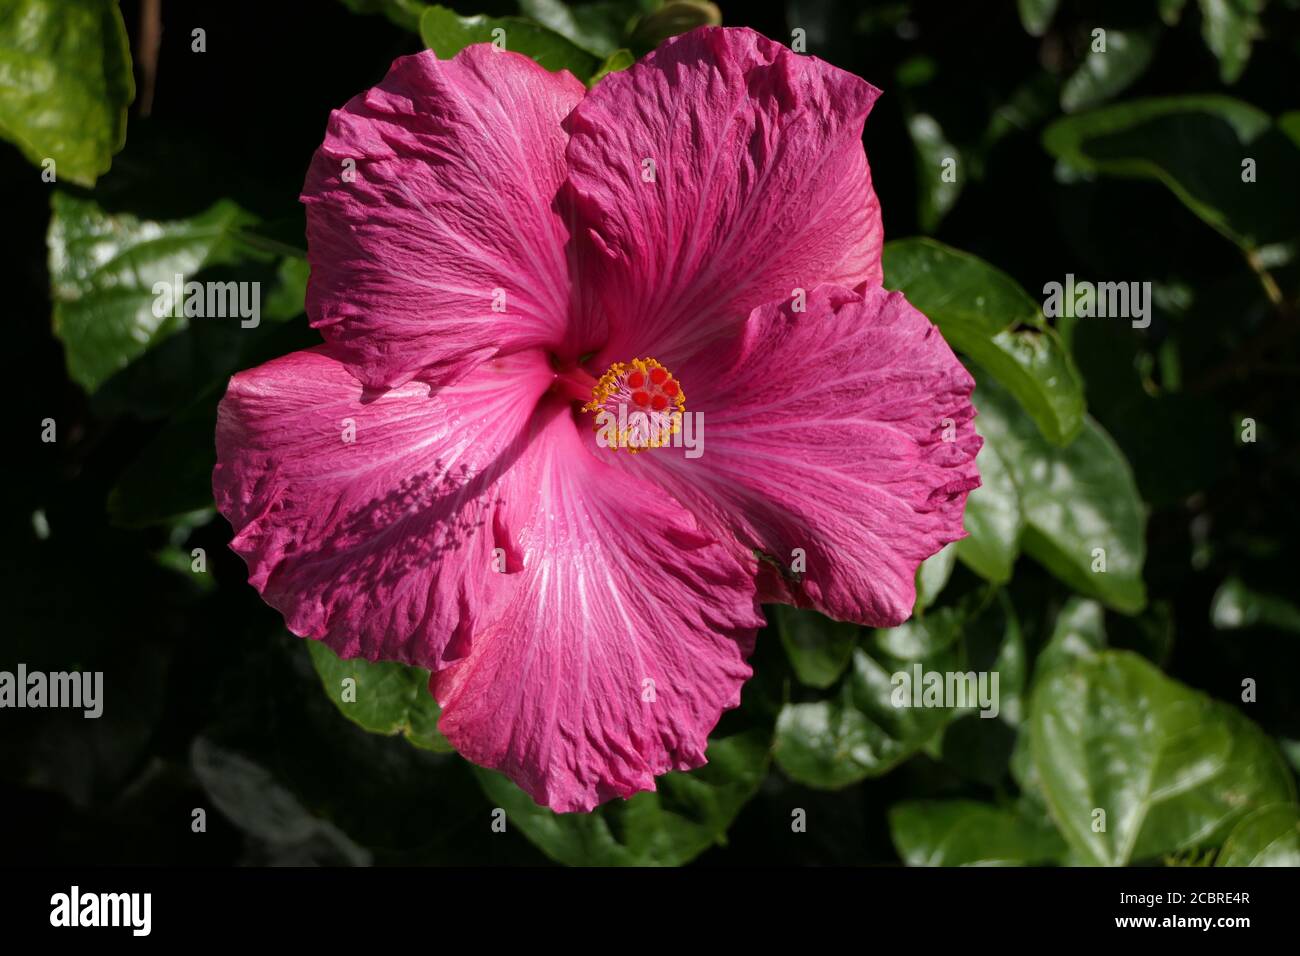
[[242, 120]]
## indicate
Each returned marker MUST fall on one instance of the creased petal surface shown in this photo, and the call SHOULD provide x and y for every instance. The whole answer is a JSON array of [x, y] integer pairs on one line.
[[825, 431], [760, 185], [431, 233], [370, 519], [625, 637]]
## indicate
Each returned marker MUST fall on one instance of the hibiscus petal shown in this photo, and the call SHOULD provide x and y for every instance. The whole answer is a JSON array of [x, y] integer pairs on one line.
[[443, 246], [760, 185], [370, 520], [845, 431], [625, 639]]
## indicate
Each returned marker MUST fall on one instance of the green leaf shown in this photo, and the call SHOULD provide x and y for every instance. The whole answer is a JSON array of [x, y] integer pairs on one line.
[[1074, 500], [687, 814], [933, 574], [598, 28], [1236, 606], [65, 83], [859, 732], [1171, 768], [1103, 75], [103, 269], [1269, 836], [672, 18], [616, 61], [993, 520], [1078, 634], [384, 697], [1036, 15], [933, 155], [818, 648], [1196, 146], [1229, 28], [984, 313], [447, 33], [969, 833]]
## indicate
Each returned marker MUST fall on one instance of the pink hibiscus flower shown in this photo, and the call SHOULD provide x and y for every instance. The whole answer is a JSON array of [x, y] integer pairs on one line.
[[499, 256]]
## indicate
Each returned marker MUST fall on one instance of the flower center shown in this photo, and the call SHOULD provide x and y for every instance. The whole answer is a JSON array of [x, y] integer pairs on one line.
[[637, 405]]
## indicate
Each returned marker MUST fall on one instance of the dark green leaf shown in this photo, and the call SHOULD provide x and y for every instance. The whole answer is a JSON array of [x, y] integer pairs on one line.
[[1196, 146], [818, 648], [65, 83], [1102, 75], [1229, 28], [1075, 501], [598, 28], [672, 18], [1170, 768], [993, 519], [616, 61], [383, 697], [860, 731], [984, 313], [447, 33], [103, 269], [968, 833], [938, 170], [933, 574]]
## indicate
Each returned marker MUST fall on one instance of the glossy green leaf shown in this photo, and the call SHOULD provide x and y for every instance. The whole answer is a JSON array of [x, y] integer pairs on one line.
[[993, 520], [1196, 146], [1036, 15], [382, 697], [938, 170], [103, 269], [1236, 606], [984, 313], [1079, 634], [616, 61], [1269, 836], [600, 27], [1229, 28], [818, 648], [1080, 505], [1102, 75], [969, 833], [933, 574], [687, 814], [65, 83], [860, 731], [447, 33], [1170, 768]]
